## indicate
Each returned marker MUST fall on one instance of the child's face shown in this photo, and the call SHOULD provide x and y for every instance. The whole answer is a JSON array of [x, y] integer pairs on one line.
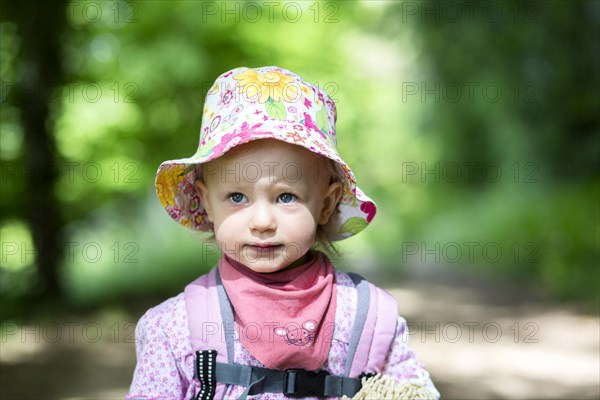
[[265, 200]]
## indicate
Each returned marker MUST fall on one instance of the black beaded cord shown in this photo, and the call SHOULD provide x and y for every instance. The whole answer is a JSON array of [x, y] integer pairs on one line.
[[206, 364]]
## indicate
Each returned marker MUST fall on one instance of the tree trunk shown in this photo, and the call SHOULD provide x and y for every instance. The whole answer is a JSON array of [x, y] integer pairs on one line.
[[39, 25]]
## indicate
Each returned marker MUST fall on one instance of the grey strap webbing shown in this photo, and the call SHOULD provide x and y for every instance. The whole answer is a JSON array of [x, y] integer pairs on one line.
[[226, 316], [292, 382], [362, 310]]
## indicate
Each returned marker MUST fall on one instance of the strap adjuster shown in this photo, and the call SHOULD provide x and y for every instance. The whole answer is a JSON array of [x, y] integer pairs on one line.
[[302, 383]]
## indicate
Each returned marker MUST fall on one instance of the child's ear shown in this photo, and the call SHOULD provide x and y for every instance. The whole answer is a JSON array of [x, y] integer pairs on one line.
[[203, 193], [331, 198]]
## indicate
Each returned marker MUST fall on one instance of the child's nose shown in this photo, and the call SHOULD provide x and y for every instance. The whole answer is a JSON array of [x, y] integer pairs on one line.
[[263, 218]]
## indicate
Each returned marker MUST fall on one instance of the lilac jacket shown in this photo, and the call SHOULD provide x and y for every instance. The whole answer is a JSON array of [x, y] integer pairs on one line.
[[165, 357]]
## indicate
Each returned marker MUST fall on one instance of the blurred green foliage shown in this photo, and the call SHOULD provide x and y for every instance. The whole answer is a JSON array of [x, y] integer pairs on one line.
[[416, 84]]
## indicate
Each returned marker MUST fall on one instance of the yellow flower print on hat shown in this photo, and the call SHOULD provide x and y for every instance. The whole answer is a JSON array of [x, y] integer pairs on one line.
[[273, 84], [166, 184]]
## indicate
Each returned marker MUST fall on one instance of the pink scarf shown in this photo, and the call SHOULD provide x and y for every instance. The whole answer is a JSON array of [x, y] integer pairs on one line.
[[284, 319]]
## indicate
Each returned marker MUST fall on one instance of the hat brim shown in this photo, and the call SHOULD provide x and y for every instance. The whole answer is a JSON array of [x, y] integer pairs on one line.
[[178, 195]]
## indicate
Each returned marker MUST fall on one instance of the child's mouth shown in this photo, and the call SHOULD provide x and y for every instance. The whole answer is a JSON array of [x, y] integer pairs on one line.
[[264, 248]]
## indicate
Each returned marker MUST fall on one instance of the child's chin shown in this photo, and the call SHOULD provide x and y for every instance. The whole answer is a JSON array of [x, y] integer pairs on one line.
[[264, 267]]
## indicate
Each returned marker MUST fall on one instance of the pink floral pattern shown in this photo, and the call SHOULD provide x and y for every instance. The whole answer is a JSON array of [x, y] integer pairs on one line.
[[165, 358], [270, 102]]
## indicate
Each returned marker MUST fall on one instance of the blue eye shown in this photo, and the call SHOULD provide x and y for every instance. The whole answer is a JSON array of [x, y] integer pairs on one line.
[[287, 198], [236, 197]]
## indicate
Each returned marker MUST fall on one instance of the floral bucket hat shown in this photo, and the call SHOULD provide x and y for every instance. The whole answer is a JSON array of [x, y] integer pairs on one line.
[[247, 104]]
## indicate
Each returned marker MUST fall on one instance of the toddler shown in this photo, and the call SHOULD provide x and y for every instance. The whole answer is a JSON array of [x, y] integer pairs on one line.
[[274, 319]]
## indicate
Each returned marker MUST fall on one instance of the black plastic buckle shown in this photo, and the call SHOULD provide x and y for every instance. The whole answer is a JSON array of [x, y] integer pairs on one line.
[[302, 383], [366, 375]]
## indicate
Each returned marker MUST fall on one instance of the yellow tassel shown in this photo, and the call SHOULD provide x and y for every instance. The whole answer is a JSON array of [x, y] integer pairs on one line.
[[385, 387]]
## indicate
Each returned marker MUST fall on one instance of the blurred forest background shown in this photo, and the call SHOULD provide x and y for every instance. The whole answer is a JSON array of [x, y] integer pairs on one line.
[[473, 125]]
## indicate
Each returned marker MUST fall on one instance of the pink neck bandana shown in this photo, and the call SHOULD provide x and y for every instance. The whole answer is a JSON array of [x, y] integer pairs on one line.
[[284, 319]]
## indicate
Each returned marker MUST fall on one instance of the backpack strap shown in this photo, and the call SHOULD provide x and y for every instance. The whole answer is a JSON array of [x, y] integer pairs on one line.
[[291, 382], [211, 325], [374, 328], [212, 331], [210, 322], [227, 320]]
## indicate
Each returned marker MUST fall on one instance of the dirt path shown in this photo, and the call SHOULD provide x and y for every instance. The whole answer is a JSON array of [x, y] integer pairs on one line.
[[477, 349], [479, 341]]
